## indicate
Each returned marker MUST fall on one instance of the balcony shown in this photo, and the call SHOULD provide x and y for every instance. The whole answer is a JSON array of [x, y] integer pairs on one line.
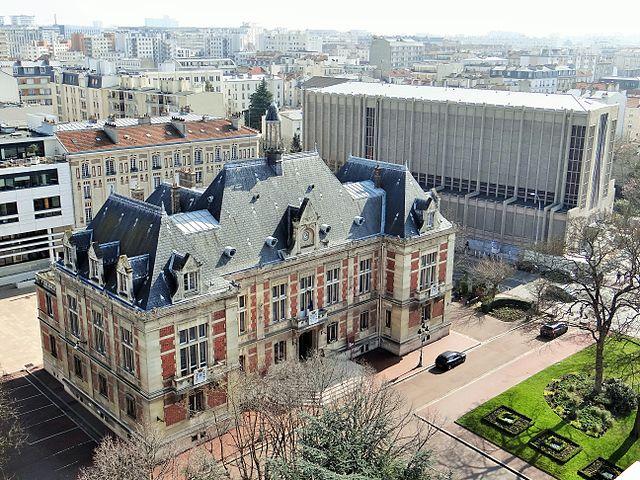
[[201, 376], [309, 319], [429, 292]]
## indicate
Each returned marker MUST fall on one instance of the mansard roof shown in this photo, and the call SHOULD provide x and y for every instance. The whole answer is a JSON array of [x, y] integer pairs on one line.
[[249, 204]]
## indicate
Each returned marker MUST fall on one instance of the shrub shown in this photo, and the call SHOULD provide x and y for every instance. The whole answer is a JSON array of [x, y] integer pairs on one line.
[[507, 314], [593, 420], [622, 399], [526, 266], [557, 276], [515, 303], [553, 292]]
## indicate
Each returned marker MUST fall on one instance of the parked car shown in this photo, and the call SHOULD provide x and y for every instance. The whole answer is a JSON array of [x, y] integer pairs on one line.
[[553, 329], [447, 360]]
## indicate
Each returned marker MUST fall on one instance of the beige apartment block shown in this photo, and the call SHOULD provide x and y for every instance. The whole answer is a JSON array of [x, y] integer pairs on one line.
[[132, 157]]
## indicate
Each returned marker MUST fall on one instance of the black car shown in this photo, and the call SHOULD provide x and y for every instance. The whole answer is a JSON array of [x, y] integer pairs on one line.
[[553, 329], [448, 360]]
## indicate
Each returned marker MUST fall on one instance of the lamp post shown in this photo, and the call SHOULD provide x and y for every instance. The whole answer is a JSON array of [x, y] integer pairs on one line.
[[423, 331]]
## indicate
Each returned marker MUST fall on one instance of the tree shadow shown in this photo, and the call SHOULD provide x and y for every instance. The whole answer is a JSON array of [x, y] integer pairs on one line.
[[622, 450]]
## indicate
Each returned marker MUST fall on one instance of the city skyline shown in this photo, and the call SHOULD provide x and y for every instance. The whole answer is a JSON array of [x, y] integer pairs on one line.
[[469, 18]]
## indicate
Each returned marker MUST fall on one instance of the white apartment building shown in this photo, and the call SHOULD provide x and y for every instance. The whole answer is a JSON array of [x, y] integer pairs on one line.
[[632, 119], [289, 41], [388, 54], [238, 90], [36, 205], [96, 46], [22, 20]]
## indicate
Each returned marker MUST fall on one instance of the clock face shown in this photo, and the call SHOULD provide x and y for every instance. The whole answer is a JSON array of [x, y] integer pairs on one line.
[[305, 236]]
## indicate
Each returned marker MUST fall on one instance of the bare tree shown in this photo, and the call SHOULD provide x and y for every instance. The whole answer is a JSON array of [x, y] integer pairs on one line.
[[12, 434], [265, 412], [369, 433], [146, 455], [605, 259], [491, 272]]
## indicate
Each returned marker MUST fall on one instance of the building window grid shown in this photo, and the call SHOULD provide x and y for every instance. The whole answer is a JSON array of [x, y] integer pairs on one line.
[[306, 293], [279, 302], [74, 323], [574, 167], [332, 332], [280, 351], [98, 332], [370, 122], [53, 346], [242, 313], [332, 278], [364, 276], [127, 350], [428, 265], [77, 367], [194, 346], [364, 320], [102, 386], [190, 282]]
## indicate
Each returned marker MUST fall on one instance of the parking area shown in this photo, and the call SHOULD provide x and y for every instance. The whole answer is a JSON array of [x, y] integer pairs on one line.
[[59, 441]]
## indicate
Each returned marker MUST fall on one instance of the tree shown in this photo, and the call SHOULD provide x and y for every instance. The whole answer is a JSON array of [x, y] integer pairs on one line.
[[12, 434], [491, 273], [295, 144], [604, 264], [146, 455], [627, 173], [258, 104], [369, 434]]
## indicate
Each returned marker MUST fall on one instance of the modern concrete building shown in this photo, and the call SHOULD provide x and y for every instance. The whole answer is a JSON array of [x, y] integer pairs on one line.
[[133, 156], [36, 205], [156, 305], [388, 54], [510, 166]]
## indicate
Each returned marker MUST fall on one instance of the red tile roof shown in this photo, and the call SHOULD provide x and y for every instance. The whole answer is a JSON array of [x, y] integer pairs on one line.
[[92, 140]]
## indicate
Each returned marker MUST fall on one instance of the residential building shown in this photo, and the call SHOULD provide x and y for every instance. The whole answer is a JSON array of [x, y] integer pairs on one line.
[[290, 125], [540, 79], [389, 54], [35, 82], [238, 90], [12, 39], [632, 120], [156, 305], [289, 41], [132, 157], [512, 167], [9, 92], [22, 20], [35, 203], [227, 65]]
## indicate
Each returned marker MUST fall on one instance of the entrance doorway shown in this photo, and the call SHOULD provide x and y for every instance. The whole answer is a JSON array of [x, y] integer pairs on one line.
[[305, 345]]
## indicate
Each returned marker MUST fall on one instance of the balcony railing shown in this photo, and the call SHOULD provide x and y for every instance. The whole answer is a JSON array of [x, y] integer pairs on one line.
[[309, 319], [428, 292], [201, 376]]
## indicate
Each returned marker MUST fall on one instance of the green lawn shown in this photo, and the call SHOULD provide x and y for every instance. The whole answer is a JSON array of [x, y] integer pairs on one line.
[[527, 398]]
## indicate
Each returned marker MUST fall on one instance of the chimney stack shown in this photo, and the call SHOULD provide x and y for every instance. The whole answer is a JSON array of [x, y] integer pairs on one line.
[[137, 194], [186, 178], [180, 124], [175, 199], [144, 120], [237, 121], [377, 176], [111, 129]]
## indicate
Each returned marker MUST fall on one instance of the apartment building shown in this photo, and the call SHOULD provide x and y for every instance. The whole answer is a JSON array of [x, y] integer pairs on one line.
[[157, 304], [35, 203], [289, 41], [35, 82], [132, 157], [238, 90], [512, 167], [388, 54]]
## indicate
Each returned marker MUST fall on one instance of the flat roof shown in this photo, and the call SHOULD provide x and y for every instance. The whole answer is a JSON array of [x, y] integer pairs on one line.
[[547, 101]]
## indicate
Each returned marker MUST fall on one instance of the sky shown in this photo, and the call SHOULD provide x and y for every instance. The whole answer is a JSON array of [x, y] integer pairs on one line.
[[436, 17]]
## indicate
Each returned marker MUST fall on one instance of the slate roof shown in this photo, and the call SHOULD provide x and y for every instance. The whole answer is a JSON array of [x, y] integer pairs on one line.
[[247, 202], [93, 140], [161, 196]]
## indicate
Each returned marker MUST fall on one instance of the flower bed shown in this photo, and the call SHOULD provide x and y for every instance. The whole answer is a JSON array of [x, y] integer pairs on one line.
[[553, 445], [600, 469], [508, 420]]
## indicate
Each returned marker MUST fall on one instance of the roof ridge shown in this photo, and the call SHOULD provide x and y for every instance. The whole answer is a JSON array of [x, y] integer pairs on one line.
[[388, 165], [137, 203]]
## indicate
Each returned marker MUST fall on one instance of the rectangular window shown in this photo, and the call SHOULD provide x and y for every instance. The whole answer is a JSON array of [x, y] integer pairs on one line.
[[74, 323], [88, 215], [98, 332], [574, 166], [7, 209], [156, 182], [332, 332], [364, 320], [280, 351], [196, 402], [127, 350], [48, 301], [428, 263], [333, 285], [369, 134], [93, 268], [46, 203], [155, 161], [133, 164], [54, 346], [103, 389], [387, 318], [364, 276], [425, 314], [86, 191], [77, 366], [306, 293], [241, 362], [190, 281], [130, 405], [109, 166], [193, 343], [279, 302], [242, 313], [197, 157]]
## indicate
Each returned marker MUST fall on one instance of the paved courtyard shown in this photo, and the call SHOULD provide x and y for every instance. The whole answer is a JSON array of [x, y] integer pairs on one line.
[[19, 330]]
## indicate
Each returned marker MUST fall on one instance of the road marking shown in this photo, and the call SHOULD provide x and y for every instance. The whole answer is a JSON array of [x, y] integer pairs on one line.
[[27, 398], [36, 409], [49, 437], [69, 448], [65, 466], [47, 420]]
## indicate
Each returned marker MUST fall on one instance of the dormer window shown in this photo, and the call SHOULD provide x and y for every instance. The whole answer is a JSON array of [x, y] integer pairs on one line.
[[431, 218], [190, 282], [94, 269], [123, 283]]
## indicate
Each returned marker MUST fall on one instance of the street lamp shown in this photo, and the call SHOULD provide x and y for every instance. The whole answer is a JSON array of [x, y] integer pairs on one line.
[[423, 331]]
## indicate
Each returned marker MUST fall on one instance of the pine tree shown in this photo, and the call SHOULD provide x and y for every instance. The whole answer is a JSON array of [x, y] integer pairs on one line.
[[258, 104], [295, 144]]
